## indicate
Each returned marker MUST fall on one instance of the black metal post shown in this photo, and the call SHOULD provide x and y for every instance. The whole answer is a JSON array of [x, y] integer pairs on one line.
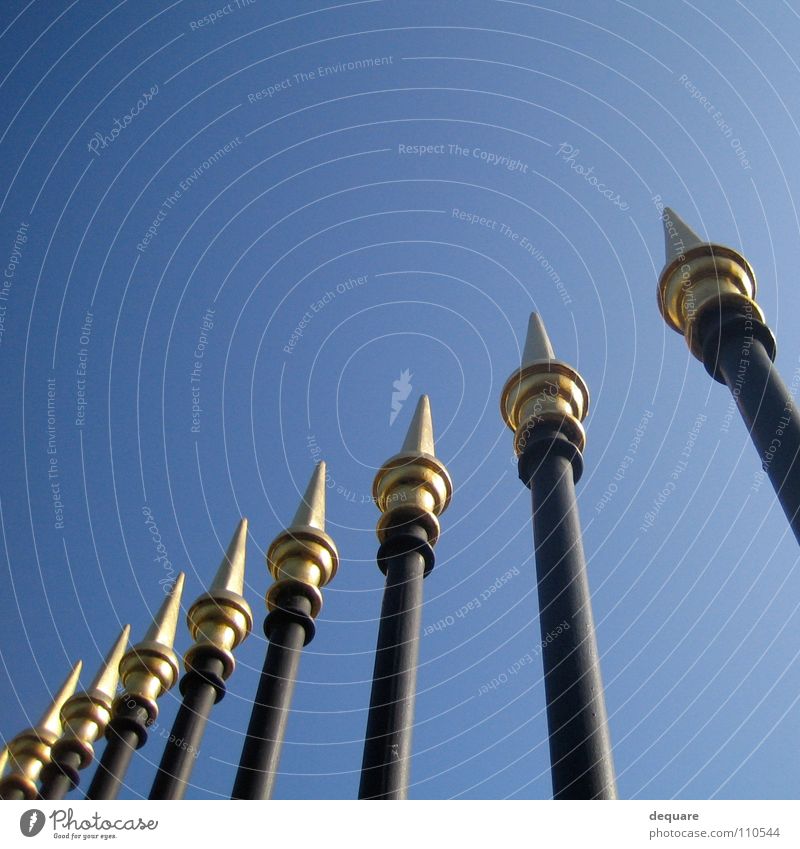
[[739, 350], [289, 628], [406, 557], [61, 775], [126, 733], [580, 744], [202, 687], [14, 794]]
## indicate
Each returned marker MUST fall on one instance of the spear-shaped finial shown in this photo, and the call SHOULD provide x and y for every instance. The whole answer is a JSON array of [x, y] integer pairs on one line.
[[537, 342], [230, 575], [221, 618], [50, 721], [29, 751], [699, 276], [414, 485], [544, 388], [303, 557], [151, 668], [311, 512], [85, 715], [419, 438], [678, 235], [105, 681], [165, 622]]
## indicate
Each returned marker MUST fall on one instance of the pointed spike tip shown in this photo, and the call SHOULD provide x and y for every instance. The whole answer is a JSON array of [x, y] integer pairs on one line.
[[51, 718], [165, 622], [312, 508], [537, 342], [107, 676], [419, 438], [230, 575], [678, 235]]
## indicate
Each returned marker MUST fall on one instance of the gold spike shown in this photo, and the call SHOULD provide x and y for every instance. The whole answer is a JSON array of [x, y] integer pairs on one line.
[[414, 485], [165, 622], [105, 682], [28, 752], [151, 668], [543, 389], [230, 575], [678, 235], [86, 714], [51, 718], [701, 276], [311, 512], [303, 555], [3, 760], [419, 439], [537, 342], [221, 618]]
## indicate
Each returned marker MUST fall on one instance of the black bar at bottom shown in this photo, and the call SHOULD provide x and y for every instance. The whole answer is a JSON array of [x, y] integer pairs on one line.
[[386, 765], [60, 776], [580, 744], [738, 350], [202, 687], [126, 732], [288, 630]]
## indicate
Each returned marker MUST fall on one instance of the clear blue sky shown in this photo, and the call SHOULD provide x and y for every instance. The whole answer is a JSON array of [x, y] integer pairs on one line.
[[149, 223]]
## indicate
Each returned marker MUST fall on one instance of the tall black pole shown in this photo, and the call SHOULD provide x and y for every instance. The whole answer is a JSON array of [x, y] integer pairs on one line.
[[411, 489], [302, 559], [288, 630], [146, 672], [126, 733], [386, 764], [84, 717], [707, 292], [202, 687], [30, 750], [544, 402], [61, 776], [218, 621]]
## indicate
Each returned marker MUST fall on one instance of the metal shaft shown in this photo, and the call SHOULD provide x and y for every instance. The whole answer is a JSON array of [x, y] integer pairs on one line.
[[288, 629], [580, 744], [202, 687], [386, 764], [14, 794], [738, 350], [126, 733], [60, 776]]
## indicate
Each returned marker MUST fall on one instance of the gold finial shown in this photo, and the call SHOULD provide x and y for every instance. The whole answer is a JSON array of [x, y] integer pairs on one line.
[[51, 718], [537, 342], [311, 512], [414, 485], [419, 438], [151, 668], [85, 715], [221, 618], [543, 389], [105, 682], [700, 275], [303, 556], [29, 751]]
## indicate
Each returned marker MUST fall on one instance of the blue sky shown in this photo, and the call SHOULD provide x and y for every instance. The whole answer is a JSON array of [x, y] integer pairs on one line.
[[324, 196]]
